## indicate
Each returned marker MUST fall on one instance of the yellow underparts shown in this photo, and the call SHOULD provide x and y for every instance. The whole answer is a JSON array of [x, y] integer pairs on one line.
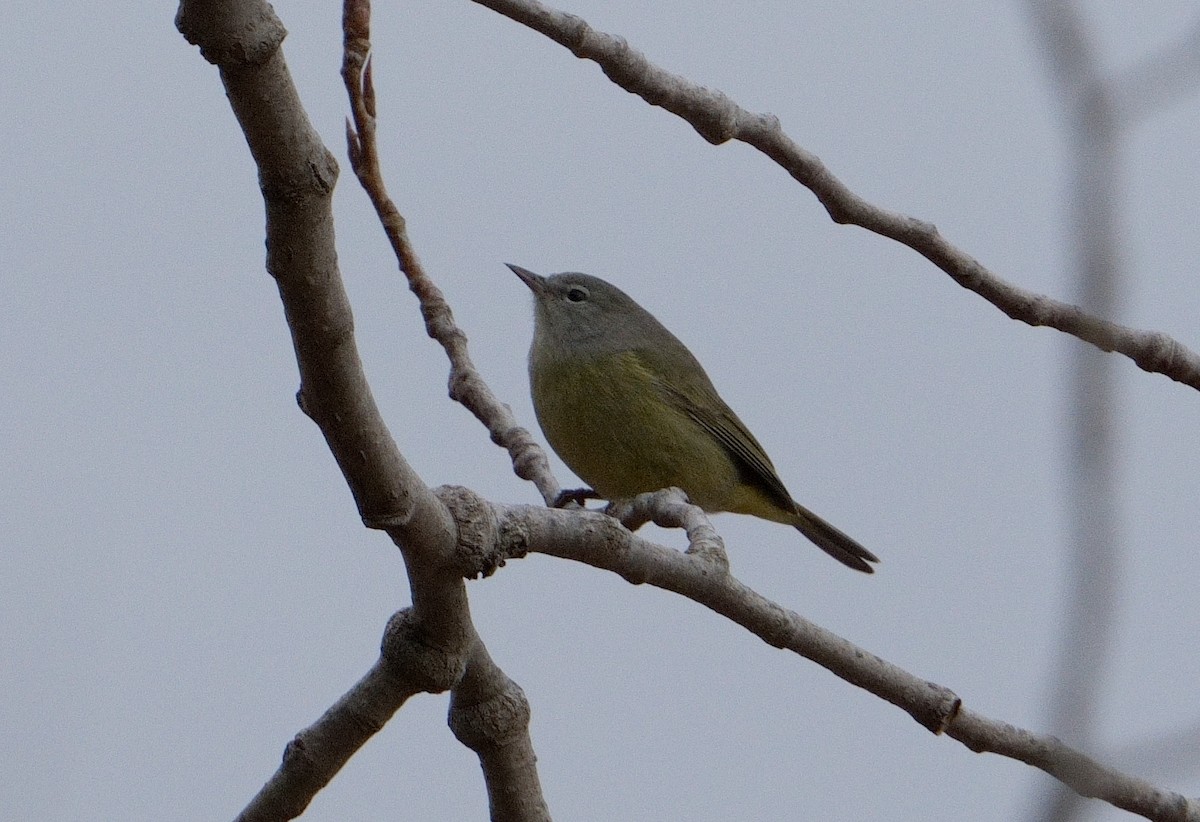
[[612, 426]]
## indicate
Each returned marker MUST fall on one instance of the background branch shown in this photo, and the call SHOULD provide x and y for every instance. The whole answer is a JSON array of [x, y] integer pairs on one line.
[[1097, 110], [1094, 558], [1159, 80], [1171, 755]]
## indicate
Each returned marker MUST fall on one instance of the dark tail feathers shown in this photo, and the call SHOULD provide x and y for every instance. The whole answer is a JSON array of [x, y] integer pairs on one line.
[[833, 542]]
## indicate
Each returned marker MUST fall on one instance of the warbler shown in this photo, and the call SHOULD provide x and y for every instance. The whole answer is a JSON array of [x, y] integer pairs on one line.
[[629, 409]]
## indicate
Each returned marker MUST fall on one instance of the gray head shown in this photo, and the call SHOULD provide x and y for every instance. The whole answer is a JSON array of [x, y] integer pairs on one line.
[[577, 315]]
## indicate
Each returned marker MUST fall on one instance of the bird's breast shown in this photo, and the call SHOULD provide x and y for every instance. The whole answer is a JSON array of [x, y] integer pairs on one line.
[[608, 420]]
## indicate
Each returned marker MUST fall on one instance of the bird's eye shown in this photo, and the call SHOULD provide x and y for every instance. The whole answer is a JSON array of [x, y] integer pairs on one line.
[[577, 293]]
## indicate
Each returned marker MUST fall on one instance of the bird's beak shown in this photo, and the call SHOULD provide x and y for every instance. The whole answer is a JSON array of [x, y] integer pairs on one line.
[[536, 282]]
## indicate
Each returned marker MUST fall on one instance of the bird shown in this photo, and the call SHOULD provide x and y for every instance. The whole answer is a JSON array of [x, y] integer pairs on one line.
[[630, 410]]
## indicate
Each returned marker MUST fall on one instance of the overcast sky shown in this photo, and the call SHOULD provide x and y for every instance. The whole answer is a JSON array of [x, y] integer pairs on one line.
[[185, 583]]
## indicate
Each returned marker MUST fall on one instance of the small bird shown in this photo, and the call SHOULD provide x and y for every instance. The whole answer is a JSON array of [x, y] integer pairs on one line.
[[630, 410]]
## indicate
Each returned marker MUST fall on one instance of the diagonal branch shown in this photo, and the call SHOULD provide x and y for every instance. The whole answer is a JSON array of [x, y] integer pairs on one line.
[[605, 544], [407, 666], [466, 384], [718, 119]]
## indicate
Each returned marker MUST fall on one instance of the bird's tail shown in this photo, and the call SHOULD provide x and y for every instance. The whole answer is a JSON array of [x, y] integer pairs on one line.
[[833, 542]]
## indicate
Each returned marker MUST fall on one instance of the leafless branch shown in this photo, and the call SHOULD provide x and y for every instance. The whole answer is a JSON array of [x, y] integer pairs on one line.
[[448, 533], [605, 544], [311, 760], [433, 646], [1159, 80], [466, 384], [718, 119], [669, 508]]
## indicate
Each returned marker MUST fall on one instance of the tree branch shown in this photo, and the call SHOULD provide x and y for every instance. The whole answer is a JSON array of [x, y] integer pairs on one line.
[[490, 715], [434, 645], [466, 385], [718, 119], [1094, 556], [1096, 108], [431, 645], [604, 544], [407, 666], [488, 711], [1160, 80]]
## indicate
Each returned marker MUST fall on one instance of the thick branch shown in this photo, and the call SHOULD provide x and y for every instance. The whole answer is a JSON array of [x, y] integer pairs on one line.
[[490, 715], [718, 119], [297, 175]]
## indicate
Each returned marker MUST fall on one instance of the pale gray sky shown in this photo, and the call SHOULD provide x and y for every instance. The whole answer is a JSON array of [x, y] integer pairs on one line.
[[184, 582]]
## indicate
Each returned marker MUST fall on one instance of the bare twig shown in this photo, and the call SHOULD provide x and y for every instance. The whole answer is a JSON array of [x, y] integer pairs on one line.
[[488, 711], [466, 385], [670, 508], [718, 119]]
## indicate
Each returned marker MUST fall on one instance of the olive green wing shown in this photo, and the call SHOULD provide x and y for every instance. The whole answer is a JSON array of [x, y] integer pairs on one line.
[[696, 397]]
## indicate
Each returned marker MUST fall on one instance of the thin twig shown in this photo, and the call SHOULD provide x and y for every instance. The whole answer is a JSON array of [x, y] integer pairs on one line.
[[488, 711], [466, 386]]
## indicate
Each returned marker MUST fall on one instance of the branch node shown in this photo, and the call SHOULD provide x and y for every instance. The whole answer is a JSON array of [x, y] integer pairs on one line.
[[477, 544], [408, 655], [231, 36], [387, 521], [947, 710], [492, 722], [297, 755]]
